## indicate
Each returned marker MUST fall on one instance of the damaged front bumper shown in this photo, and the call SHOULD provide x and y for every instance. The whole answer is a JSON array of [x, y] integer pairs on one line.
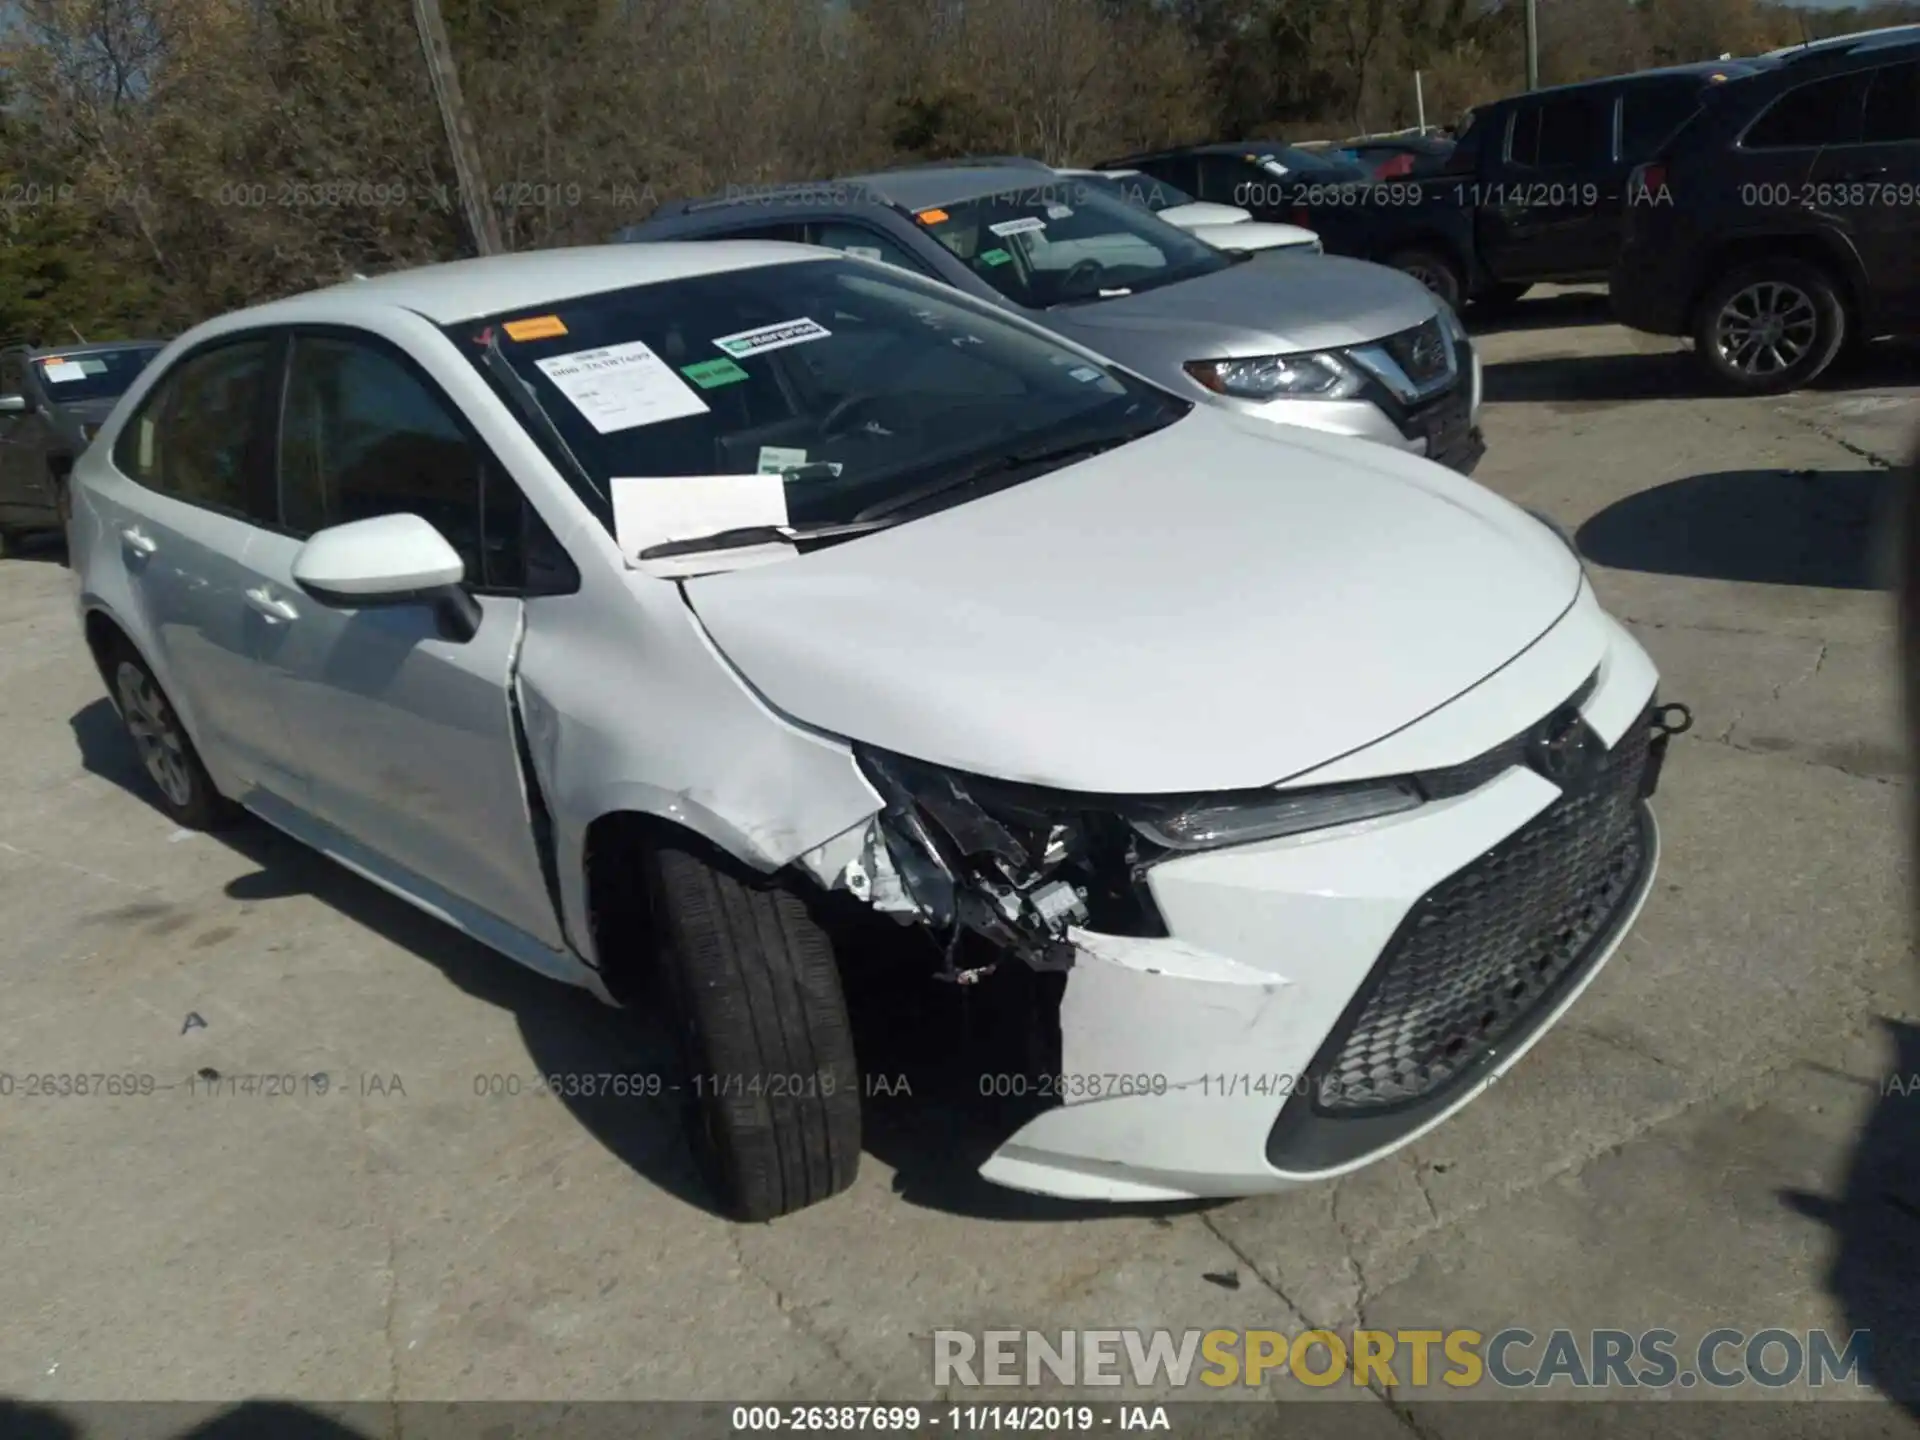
[[1298, 1007]]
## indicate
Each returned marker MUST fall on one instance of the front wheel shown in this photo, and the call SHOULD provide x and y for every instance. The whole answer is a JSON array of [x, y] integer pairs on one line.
[[1770, 326], [1433, 270], [763, 1028], [187, 792]]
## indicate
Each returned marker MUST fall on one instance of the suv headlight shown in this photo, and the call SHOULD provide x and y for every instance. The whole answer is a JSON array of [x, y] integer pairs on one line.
[[1450, 322], [1321, 375]]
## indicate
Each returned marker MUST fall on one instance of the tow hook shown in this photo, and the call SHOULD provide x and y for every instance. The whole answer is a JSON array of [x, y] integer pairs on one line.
[[1666, 721]]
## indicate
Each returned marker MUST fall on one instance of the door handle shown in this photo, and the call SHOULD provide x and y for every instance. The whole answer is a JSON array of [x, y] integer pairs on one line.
[[270, 605], [138, 541]]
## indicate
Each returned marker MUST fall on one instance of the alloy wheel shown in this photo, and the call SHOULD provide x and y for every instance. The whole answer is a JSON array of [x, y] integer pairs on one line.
[[156, 733], [1766, 329]]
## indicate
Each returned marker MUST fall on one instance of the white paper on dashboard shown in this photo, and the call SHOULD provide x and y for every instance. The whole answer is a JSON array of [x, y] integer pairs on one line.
[[59, 372], [652, 510], [619, 387]]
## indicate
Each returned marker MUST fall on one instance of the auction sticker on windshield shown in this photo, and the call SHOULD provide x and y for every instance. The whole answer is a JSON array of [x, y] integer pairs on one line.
[[59, 372], [620, 387], [771, 337], [1024, 225]]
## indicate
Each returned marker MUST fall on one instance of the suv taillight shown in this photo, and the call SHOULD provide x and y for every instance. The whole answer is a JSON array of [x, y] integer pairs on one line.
[[1647, 180]]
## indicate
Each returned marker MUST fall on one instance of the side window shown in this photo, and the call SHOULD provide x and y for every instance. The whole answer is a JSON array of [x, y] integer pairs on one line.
[[866, 241], [362, 435], [1649, 114], [1826, 112], [1573, 131], [1179, 171], [195, 435], [1892, 111], [1223, 179], [796, 233]]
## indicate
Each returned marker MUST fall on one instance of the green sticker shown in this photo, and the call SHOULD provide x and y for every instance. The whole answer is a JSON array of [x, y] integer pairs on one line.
[[994, 257], [711, 373]]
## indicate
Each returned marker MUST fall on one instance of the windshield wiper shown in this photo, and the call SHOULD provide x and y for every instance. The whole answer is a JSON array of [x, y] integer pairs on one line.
[[999, 465], [745, 535]]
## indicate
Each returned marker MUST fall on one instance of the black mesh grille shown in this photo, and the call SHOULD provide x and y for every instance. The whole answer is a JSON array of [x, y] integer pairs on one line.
[[1423, 352], [1485, 947]]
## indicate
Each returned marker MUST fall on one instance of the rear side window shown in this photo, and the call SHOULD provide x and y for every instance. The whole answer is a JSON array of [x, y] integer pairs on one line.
[[195, 436], [1649, 114], [1826, 112], [866, 242], [1892, 113], [1574, 130], [362, 435]]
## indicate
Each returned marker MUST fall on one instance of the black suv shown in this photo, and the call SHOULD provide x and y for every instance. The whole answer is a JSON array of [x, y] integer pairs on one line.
[[1782, 220], [1531, 192], [51, 402]]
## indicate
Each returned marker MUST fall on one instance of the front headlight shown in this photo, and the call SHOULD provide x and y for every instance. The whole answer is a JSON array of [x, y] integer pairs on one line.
[[1319, 376], [1209, 822], [1450, 322]]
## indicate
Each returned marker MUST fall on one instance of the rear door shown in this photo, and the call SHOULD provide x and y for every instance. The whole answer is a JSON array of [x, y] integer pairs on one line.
[[1869, 187], [406, 739], [189, 500], [1542, 208]]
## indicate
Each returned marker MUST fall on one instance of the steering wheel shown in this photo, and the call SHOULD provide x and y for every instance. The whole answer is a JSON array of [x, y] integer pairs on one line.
[[1079, 273], [835, 420]]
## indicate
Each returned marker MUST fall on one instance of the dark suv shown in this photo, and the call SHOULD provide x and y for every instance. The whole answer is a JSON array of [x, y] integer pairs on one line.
[[1531, 193], [1783, 220], [51, 402]]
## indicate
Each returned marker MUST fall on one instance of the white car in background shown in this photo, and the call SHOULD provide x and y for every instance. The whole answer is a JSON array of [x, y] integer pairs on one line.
[[1225, 227], [620, 606]]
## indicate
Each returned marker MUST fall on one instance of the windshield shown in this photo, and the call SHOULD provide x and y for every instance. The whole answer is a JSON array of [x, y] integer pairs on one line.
[[92, 375], [1141, 190], [857, 384], [1284, 160], [1066, 243]]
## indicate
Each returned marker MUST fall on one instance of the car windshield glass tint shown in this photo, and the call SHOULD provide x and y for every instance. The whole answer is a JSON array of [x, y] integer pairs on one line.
[[91, 374], [856, 383], [1064, 243]]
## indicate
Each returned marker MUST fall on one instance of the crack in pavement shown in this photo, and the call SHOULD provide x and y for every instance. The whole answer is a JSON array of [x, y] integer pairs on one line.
[[1734, 745], [797, 1315]]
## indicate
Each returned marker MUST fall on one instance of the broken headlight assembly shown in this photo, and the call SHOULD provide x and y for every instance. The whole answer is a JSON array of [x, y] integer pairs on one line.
[[1022, 864]]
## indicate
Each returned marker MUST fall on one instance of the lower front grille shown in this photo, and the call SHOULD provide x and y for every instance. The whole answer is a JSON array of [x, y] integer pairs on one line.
[[1487, 948]]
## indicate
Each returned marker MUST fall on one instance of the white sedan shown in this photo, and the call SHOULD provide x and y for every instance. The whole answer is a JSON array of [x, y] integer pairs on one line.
[[614, 605]]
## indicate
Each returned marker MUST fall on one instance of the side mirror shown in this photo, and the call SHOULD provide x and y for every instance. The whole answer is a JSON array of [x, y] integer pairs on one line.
[[14, 405], [389, 560]]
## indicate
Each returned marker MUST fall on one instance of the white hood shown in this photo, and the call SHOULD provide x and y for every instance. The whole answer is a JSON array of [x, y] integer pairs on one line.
[[1204, 212], [1253, 235], [1224, 604]]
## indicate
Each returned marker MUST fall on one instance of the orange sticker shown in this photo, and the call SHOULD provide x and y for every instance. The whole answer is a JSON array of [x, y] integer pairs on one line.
[[540, 327], [932, 217]]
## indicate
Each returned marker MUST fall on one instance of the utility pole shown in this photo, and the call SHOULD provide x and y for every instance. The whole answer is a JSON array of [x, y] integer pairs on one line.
[[1420, 102], [1533, 45], [461, 142]]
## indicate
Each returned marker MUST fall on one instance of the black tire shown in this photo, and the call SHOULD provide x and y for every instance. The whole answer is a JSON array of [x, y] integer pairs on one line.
[[1784, 297], [762, 1024], [183, 789], [1433, 270]]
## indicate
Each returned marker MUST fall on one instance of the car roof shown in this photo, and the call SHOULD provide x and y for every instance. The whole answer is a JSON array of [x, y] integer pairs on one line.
[[93, 347], [1886, 35], [925, 186], [1704, 70], [467, 289]]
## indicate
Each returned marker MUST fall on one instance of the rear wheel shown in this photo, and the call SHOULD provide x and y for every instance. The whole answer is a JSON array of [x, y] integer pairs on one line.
[[1433, 270], [763, 1028], [187, 792], [1770, 326]]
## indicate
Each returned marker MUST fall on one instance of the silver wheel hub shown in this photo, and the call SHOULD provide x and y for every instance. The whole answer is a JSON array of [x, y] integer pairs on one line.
[[155, 732], [1767, 328]]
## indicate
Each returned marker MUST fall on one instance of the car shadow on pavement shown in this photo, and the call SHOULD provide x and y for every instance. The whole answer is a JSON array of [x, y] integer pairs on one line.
[[1875, 1225], [1826, 528], [1574, 383], [249, 1420], [944, 1064], [1541, 312]]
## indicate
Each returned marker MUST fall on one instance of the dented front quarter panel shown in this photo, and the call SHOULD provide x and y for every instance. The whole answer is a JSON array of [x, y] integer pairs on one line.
[[629, 708]]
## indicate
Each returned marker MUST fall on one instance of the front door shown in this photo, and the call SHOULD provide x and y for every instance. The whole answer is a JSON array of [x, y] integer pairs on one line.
[[1544, 210], [406, 737]]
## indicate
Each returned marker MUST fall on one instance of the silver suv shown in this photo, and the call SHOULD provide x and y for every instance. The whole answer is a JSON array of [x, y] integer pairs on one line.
[[1337, 345]]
